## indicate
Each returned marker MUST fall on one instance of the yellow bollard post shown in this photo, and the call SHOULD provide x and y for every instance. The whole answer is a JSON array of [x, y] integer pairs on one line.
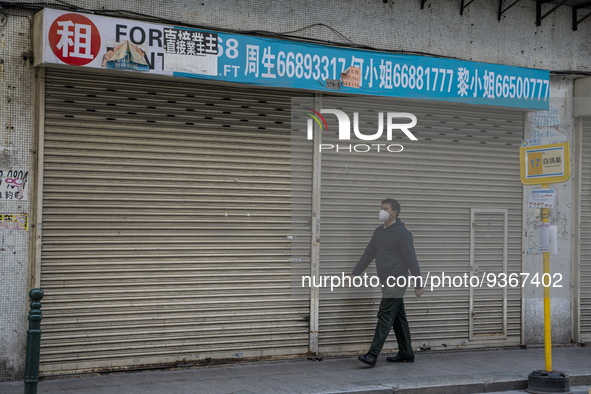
[[547, 311], [547, 381]]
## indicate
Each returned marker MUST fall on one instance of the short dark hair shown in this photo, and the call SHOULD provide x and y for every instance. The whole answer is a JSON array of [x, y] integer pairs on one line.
[[395, 205]]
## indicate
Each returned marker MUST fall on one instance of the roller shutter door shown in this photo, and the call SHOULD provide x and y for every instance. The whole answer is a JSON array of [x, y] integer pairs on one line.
[[167, 225], [466, 160], [585, 243]]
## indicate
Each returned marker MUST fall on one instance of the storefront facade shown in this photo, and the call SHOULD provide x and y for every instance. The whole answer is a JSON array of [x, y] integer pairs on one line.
[[172, 214]]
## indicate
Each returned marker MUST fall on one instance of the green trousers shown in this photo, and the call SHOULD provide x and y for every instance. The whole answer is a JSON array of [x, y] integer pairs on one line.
[[392, 315]]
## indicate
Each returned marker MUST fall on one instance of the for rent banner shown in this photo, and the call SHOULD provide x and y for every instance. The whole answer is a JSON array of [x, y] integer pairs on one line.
[[84, 40]]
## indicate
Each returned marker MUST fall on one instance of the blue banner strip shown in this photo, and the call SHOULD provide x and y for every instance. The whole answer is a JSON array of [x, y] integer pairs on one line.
[[299, 65]]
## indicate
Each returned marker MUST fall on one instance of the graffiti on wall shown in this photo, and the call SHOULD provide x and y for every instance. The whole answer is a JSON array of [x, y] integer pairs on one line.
[[13, 185]]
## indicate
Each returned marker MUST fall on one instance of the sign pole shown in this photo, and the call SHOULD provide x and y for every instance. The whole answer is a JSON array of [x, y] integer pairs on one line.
[[542, 165], [547, 311]]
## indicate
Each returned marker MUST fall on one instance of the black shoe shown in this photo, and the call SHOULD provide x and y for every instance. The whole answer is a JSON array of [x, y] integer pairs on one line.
[[368, 359], [398, 359]]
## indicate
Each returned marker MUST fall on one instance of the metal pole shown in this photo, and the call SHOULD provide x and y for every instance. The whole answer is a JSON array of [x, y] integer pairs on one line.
[[33, 342], [315, 247]]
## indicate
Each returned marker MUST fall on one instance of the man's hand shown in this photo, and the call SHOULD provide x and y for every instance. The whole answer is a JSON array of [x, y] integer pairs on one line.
[[419, 292]]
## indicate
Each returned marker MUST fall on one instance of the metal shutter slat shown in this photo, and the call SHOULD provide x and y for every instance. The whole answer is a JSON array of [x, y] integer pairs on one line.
[[465, 158], [585, 240], [166, 216]]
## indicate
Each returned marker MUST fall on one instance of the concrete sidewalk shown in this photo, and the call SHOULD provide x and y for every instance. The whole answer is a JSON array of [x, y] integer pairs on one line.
[[432, 372]]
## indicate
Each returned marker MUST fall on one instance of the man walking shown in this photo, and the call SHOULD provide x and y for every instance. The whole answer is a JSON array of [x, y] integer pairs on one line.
[[392, 248]]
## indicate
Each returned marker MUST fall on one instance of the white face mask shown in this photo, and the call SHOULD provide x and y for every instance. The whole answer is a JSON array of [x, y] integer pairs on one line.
[[384, 215]]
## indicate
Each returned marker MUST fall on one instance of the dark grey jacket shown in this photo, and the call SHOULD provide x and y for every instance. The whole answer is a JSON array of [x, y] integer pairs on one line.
[[393, 249]]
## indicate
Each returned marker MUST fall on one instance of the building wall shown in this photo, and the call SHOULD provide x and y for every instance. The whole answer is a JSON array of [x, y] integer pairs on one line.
[[16, 131], [439, 29]]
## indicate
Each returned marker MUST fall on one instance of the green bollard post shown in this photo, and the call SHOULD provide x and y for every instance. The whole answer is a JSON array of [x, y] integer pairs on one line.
[[33, 342]]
